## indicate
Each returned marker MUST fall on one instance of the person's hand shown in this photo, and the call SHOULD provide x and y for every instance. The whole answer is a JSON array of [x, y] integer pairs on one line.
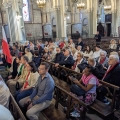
[[29, 106], [57, 64], [28, 101], [22, 89], [9, 76], [76, 81]]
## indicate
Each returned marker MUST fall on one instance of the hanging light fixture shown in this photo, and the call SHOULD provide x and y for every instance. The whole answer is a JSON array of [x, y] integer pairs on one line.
[[107, 8], [41, 3], [80, 5]]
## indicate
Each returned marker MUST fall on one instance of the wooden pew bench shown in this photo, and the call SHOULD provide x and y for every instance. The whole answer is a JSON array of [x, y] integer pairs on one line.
[[15, 110]]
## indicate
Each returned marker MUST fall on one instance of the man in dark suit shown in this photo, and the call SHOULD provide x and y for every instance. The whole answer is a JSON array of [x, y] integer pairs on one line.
[[97, 37], [59, 56], [68, 60], [79, 43], [112, 76]]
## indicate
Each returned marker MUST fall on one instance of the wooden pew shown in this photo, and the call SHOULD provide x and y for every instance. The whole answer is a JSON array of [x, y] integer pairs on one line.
[[15, 110], [98, 106]]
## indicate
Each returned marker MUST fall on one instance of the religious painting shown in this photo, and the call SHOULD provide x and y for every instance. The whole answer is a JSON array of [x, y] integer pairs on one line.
[[26, 14]]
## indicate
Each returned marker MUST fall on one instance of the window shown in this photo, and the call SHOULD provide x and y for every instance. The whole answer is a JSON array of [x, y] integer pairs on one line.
[[26, 15]]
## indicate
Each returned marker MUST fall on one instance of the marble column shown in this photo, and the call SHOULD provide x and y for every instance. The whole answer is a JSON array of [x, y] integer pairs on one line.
[[44, 18]]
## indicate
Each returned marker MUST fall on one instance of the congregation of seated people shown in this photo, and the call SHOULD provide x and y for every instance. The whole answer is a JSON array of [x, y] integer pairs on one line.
[[32, 86]]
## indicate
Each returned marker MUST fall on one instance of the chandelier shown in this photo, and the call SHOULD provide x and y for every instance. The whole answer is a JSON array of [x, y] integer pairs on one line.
[[80, 6], [41, 3], [107, 7]]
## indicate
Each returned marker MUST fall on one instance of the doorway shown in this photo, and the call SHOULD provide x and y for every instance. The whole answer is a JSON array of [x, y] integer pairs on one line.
[[108, 29]]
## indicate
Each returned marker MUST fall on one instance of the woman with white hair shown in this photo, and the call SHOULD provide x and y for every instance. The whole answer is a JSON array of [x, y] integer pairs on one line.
[[103, 59], [4, 94]]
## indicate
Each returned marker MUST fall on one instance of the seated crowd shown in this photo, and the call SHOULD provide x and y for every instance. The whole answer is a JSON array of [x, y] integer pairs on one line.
[[33, 87]]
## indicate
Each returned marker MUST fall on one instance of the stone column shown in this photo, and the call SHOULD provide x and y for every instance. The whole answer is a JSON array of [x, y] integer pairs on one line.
[[92, 18], [61, 21], [44, 18]]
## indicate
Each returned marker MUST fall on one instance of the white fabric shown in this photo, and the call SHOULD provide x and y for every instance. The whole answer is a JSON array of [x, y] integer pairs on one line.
[[4, 93], [92, 81], [88, 54], [5, 114], [96, 54]]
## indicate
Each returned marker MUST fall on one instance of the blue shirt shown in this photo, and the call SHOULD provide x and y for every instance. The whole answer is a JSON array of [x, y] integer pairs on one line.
[[44, 89]]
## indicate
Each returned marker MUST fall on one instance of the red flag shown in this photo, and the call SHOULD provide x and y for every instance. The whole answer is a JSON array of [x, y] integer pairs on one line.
[[5, 47]]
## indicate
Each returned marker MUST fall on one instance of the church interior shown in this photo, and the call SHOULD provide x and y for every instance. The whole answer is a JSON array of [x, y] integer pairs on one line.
[[59, 59]]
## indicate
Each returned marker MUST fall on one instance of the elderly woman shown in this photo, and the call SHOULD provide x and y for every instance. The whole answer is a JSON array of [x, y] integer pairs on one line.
[[4, 94], [113, 44], [79, 49], [79, 63], [103, 59]]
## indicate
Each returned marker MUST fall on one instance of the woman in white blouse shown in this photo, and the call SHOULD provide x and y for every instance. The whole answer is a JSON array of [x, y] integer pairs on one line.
[[88, 52], [113, 44]]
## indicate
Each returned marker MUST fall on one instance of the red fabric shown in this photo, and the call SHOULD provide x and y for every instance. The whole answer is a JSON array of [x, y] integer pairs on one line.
[[26, 83], [102, 61], [5, 47], [61, 45], [109, 70]]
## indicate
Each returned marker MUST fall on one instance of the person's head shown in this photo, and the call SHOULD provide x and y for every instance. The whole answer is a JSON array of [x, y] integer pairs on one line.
[[103, 55], [31, 42], [71, 41], [46, 42], [79, 39], [97, 48], [51, 49], [88, 70], [113, 53], [57, 39], [50, 42], [18, 59], [67, 52], [97, 32], [58, 50], [27, 50], [24, 60], [91, 61], [31, 67], [46, 50], [88, 48], [113, 59], [79, 56], [43, 68], [12, 53], [79, 48], [36, 53], [15, 47], [113, 41]]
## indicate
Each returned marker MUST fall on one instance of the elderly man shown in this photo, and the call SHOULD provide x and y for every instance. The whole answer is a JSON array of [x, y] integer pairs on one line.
[[97, 70], [42, 95], [68, 60], [112, 76], [79, 43], [103, 59]]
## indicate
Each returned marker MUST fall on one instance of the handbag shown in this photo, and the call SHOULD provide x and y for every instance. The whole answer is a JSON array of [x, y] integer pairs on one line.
[[77, 90]]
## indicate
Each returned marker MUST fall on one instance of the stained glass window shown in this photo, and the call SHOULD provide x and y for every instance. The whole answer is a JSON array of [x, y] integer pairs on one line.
[[26, 14]]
